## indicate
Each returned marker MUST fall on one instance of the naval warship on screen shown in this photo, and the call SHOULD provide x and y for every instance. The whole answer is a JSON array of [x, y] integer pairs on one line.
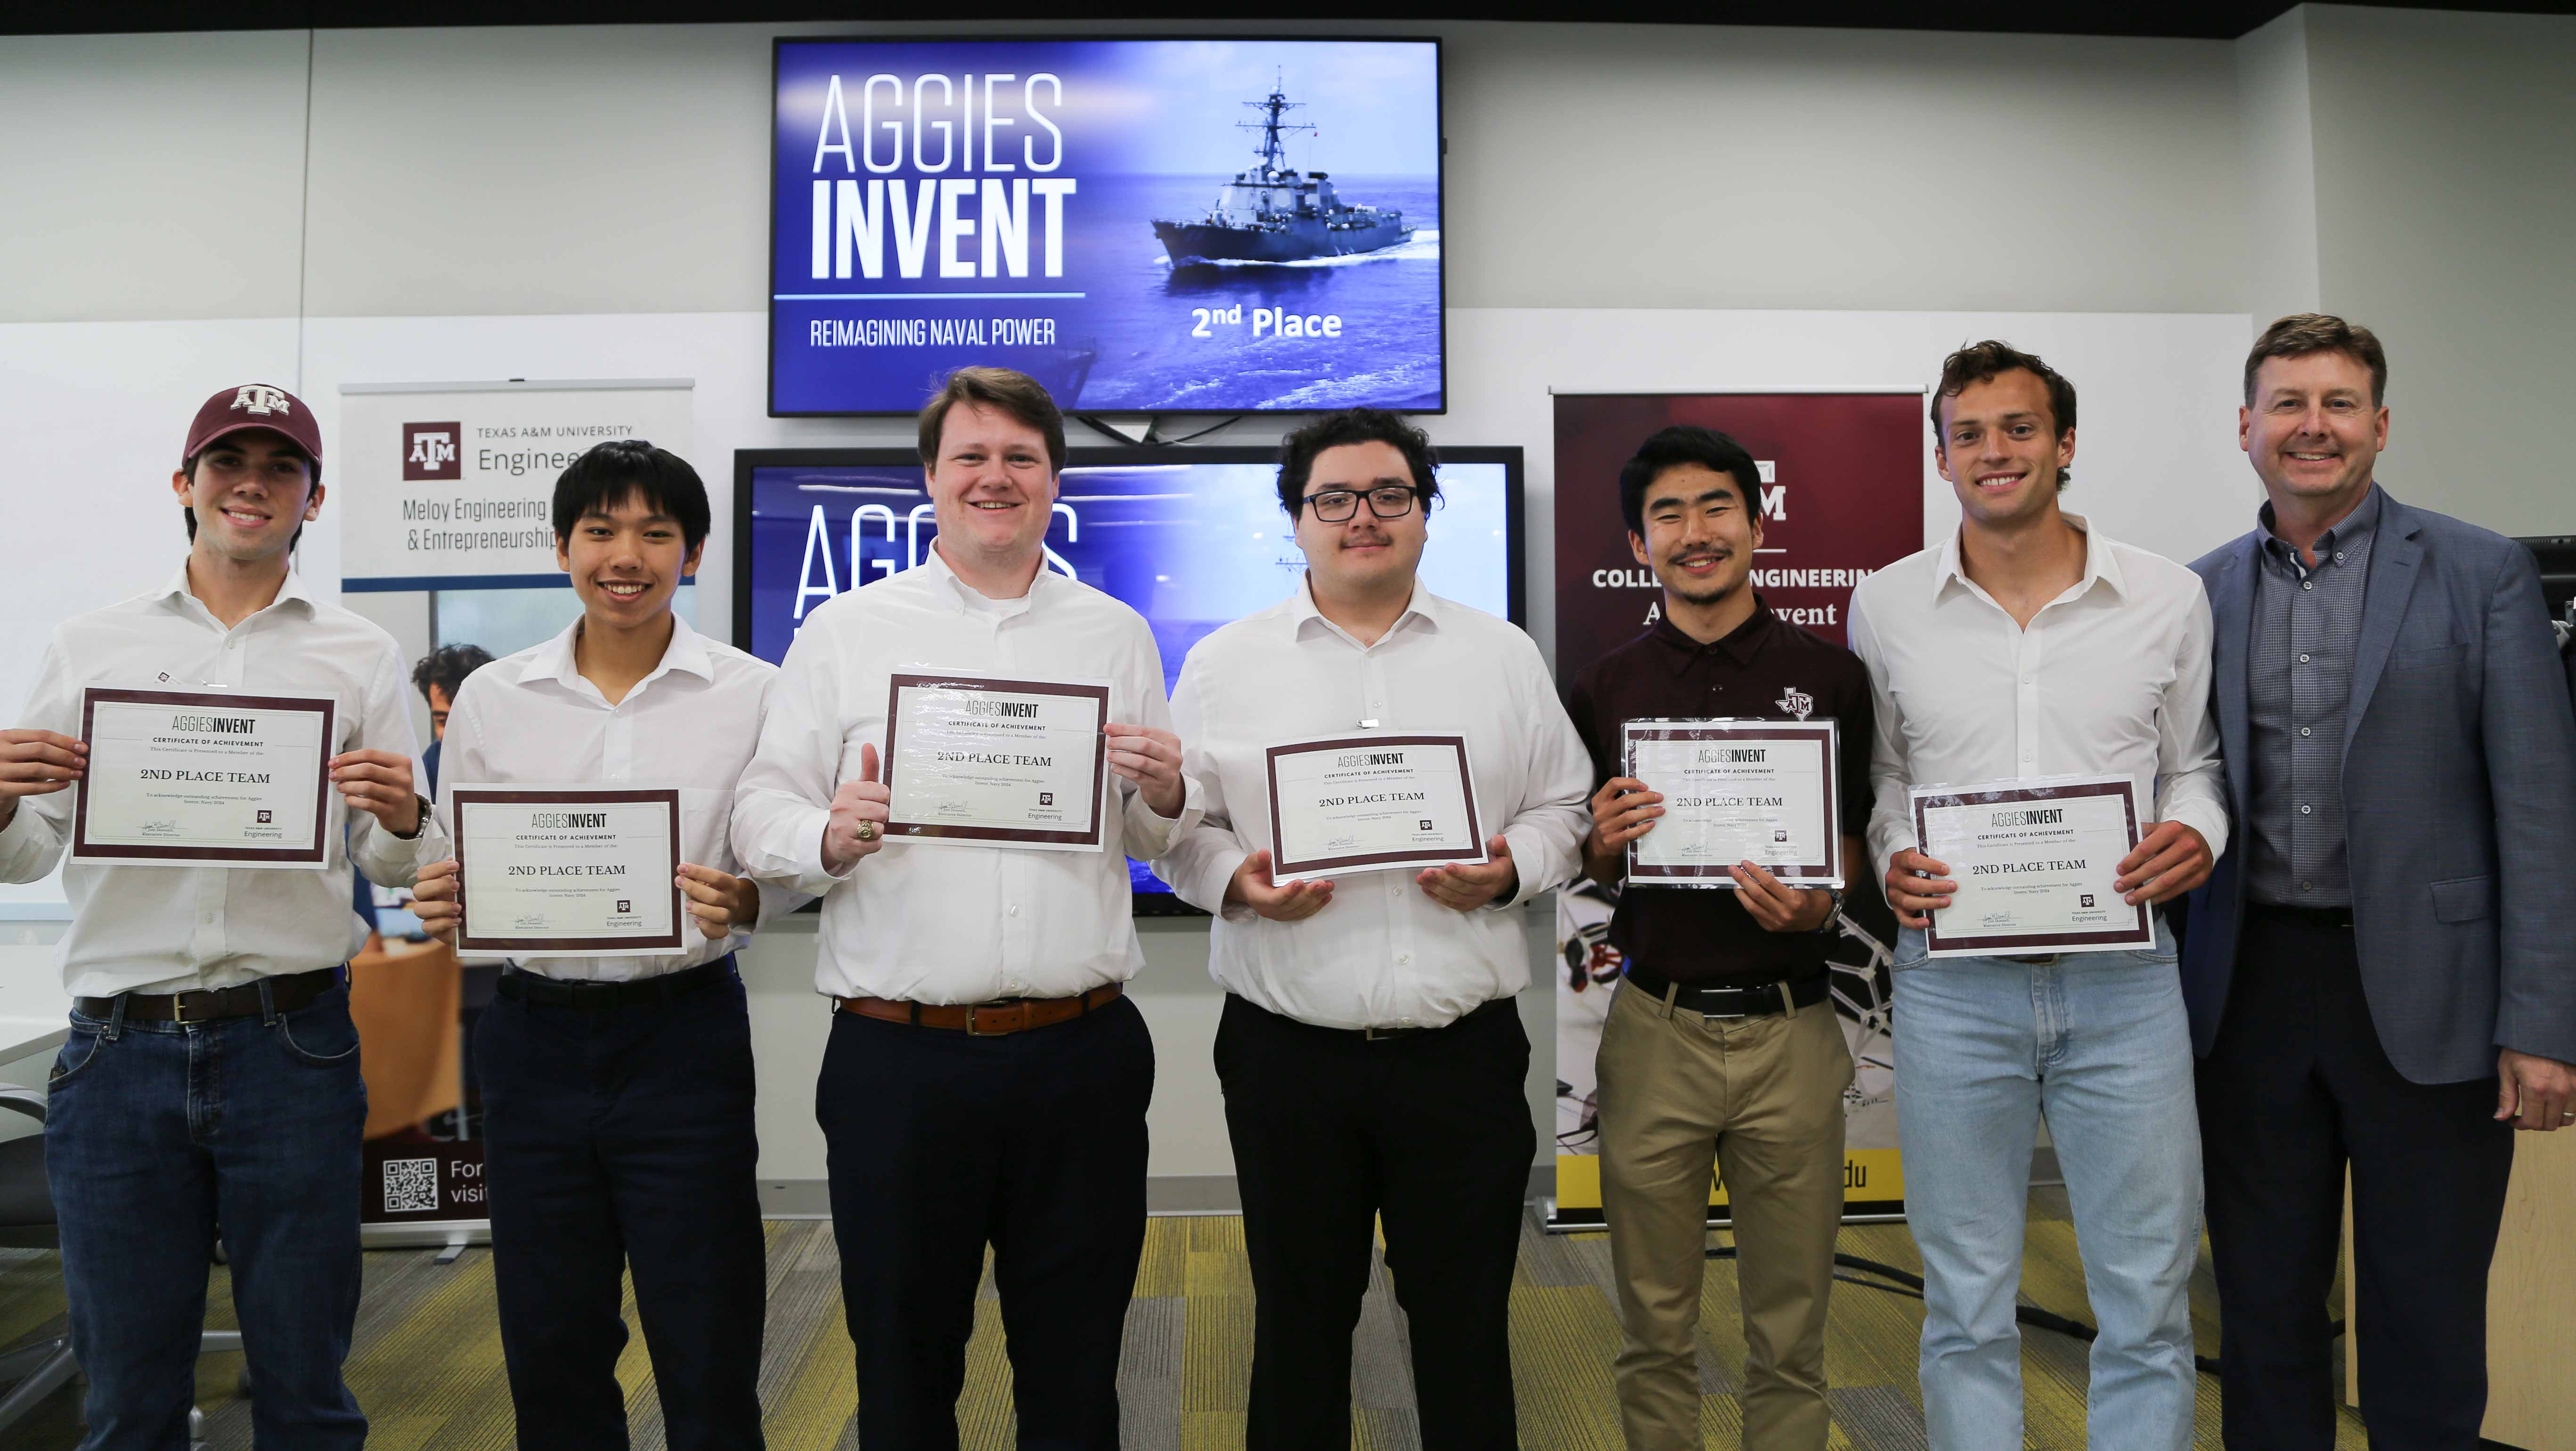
[[1273, 213]]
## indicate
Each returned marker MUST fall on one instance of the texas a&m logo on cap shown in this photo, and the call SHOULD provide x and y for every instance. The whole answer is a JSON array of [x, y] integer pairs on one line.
[[429, 453], [261, 399]]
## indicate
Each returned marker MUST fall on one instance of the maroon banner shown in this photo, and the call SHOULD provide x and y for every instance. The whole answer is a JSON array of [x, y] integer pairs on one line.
[[1842, 497]]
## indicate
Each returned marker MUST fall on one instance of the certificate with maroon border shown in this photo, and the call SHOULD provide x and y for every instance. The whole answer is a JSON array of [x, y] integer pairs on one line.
[[567, 871], [204, 778], [1737, 790], [2035, 861], [986, 760], [1371, 803]]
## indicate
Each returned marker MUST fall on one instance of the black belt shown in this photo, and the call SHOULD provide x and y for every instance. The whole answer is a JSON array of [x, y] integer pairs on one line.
[[565, 993], [1766, 1000], [2323, 918], [1487, 1008], [286, 993]]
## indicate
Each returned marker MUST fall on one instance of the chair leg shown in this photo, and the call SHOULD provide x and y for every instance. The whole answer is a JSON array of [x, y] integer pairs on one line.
[[39, 1383]]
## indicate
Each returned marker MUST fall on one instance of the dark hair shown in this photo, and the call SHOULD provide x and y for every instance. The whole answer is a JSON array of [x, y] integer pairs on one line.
[[2304, 333], [1983, 363], [1297, 451], [1017, 394], [446, 667], [609, 474], [188, 466], [1686, 443]]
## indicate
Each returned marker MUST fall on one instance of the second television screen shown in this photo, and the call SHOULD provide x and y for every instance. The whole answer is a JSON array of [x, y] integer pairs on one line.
[[1216, 225], [1190, 545]]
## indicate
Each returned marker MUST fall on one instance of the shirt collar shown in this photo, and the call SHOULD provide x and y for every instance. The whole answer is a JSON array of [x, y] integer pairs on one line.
[[954, 593], [1738, 645], [2354, 527], [174, 590], [556, 659], [1422, 609], [2100, 563]]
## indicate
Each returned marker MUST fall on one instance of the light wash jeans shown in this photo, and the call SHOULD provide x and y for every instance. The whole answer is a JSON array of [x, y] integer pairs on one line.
[[2097, 1043]]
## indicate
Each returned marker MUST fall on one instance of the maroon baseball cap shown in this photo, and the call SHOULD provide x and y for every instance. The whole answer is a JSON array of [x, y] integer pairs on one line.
[[255, 405]]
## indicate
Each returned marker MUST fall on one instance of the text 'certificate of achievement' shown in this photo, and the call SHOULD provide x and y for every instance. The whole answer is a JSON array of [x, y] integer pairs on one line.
[[1370, 803], [204, 778], [567, 871], [2034, 861], [1762, 791], [977, 760]]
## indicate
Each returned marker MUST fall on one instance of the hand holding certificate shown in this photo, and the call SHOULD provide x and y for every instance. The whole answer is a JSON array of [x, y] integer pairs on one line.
[[204, 778], [571, 872], [1370, 802], [976, 760], [2037, 866], [1759, 791]]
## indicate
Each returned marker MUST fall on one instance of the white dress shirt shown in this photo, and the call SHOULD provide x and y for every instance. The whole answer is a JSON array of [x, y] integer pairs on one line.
[[1381, 953], [163, 929], [2111, 678], [915, 922], [534, 719]]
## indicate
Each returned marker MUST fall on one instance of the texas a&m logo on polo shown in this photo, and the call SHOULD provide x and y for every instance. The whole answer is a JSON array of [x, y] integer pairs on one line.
[[1796, 702], [261, 399], [429, 453]]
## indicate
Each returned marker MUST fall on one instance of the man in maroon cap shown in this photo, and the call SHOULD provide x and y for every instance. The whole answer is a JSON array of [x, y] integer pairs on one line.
[[210, 1084]]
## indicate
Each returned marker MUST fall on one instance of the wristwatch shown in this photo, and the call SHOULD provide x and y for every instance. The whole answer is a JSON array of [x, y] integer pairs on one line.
[[1833, 919]]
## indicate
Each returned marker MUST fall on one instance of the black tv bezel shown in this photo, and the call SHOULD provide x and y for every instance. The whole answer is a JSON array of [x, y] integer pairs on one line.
[[1439, 106], [747, 461]]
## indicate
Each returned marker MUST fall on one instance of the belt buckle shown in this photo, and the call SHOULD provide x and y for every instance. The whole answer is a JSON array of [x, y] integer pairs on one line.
[[179, 1008], [1376, 1034], [973, 1031]]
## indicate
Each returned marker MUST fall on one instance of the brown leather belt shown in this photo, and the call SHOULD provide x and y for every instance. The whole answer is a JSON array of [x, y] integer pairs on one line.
[[984, 1020], [285, 994]]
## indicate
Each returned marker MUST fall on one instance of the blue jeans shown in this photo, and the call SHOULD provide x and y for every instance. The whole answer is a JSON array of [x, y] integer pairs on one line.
[[2098, 1043], [159, 1137]]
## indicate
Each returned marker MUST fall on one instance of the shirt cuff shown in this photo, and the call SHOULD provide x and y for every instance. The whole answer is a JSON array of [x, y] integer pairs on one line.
[[1206, 886], [811, 875]]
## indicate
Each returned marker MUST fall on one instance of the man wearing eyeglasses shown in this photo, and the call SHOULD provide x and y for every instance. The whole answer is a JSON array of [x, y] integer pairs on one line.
[[1372, 1060]]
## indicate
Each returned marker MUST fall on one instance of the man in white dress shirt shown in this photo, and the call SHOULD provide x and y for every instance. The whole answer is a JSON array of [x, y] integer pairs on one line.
[[211, 1060], [986, 1080], [617, 1091], [2029, 645], [1372, 1056]]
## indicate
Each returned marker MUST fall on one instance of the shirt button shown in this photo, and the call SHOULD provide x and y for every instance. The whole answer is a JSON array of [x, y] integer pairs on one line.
[[2307, 584], [2338, 556], [1015, 911], [2303, 659], [2307, 886], [1404, 959], [2304, 810], [2303, 730]]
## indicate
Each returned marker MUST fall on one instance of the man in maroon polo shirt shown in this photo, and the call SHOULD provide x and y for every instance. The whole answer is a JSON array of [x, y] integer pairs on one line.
[[1722, 1048]]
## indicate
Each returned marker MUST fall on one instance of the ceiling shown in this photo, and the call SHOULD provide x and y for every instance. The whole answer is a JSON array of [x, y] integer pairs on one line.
[[2192, 19]]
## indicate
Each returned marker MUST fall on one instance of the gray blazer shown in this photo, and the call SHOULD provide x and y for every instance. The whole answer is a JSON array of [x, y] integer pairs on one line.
[[2459, 788]]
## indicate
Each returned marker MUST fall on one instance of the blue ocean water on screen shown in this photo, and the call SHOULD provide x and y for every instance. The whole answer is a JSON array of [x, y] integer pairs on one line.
[[1146, 309]]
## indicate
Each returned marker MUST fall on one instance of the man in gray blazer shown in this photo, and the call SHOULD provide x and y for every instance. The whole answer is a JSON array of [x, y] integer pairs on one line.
[[2384, 973]]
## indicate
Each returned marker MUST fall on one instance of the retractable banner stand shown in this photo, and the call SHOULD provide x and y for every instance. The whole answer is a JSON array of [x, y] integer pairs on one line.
[[443, 487], [1842, 497]]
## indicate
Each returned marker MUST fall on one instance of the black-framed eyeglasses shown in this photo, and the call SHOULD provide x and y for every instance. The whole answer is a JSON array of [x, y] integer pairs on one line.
[[1337, 506]]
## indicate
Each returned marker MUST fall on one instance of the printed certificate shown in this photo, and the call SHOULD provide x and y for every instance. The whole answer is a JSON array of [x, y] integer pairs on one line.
[[2034, 861], [567, 872], [204, 778], [1763, 791], [1370, 803], [976, 760]]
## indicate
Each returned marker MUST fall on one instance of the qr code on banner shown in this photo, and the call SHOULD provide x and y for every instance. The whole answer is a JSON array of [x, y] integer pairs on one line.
[[411, 1185]]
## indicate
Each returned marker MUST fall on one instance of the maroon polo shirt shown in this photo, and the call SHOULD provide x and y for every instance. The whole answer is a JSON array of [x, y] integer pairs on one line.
[[1698, 934]]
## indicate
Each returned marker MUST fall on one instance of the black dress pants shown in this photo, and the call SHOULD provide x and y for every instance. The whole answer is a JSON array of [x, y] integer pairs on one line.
[[620, 1140], [2296, 1087], [1032, 1142], [1429, 1133]]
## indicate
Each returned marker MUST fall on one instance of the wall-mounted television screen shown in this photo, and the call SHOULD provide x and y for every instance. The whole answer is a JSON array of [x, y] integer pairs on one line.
[[1225, 224], [1190, 538]]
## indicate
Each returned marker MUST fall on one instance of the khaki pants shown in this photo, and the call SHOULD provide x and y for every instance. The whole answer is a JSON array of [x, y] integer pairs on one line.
[[1761, 1100]]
